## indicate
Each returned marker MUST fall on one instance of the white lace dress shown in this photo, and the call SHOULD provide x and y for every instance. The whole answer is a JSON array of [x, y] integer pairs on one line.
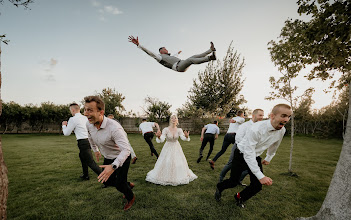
[[171, 167]]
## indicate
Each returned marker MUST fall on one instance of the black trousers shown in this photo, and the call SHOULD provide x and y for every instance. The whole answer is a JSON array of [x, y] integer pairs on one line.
[[229, 139], [86, 157], [207, 138], [239, 165], [148, 138], [118, 178]]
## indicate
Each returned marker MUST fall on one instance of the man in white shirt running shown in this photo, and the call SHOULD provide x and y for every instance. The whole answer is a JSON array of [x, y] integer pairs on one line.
[[77, 123], [211, 134], [229, 138], [172, 61], [147, 129], [257, 115], [263, 135]]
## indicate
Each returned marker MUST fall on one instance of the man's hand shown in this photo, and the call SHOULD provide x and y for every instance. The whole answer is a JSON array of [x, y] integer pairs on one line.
[[186, 134], [265, 162], [266, 181], [64, 123], [158, 134], [97, 155], [108, 170], [201, 138], [133, 40]]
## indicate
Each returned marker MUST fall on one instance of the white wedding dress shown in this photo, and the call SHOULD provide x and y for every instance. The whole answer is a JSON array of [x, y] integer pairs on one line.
[[171, 167]]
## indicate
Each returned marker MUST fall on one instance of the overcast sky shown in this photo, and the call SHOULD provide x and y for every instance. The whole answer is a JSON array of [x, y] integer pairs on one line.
[[61, 51]]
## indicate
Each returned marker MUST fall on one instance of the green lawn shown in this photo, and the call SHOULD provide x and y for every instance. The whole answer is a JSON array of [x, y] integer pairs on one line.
[[44, 183]]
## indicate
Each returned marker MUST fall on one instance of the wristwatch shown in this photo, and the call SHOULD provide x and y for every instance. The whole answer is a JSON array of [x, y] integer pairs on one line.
[[114, 166]]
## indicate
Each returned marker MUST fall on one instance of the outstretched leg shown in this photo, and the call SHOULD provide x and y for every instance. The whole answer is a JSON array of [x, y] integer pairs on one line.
[[183, 65], [148, 138]]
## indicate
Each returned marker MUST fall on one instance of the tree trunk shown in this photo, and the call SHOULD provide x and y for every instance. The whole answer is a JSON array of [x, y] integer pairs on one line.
[[337, 203], [292, 142], [3, 185], [4, 182]]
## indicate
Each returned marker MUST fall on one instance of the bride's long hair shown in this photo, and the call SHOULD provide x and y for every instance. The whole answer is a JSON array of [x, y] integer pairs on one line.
[[170, 119]]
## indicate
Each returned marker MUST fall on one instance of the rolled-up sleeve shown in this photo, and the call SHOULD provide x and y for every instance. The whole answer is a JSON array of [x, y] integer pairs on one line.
[[120, 138]]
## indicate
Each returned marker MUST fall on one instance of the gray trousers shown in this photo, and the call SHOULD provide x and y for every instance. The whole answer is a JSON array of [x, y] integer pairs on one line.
[[183, 65], [228, 167]]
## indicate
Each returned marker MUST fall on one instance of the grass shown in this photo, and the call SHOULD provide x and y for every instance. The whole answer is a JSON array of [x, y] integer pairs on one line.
[[44, 183]]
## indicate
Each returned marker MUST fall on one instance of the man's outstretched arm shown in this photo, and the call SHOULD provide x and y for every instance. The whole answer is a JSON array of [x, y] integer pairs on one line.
[[135, 41]]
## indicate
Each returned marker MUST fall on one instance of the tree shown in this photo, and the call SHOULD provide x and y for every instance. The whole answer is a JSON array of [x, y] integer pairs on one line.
[[157, 110], [324, 41], [303, 113], [217, 89], [3, 168], [18, 3], [113, 102]]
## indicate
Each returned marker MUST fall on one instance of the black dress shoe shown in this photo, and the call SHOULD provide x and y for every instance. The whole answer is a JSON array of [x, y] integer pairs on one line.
[[218, 195], [199, 159], [84, 177], [239, 201], [213, 56]]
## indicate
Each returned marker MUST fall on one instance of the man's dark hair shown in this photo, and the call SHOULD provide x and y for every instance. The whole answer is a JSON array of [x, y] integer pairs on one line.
[[144, 119], [215, 122], [99, 102], [160, 49], [239, 113]]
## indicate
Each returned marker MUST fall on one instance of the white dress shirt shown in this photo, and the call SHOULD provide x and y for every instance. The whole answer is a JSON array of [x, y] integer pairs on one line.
[[146, 127], [240, 133], [212, 129], [77, 123], [233, 127], [260, 137], [111, 139]]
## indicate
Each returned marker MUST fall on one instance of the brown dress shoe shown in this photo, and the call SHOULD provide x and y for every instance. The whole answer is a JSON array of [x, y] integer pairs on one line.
[[211, 164], [134, 160], [129, 204], [131, 185]]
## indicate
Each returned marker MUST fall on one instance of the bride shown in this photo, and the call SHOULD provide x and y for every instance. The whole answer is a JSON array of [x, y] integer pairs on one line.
[[171, 167]]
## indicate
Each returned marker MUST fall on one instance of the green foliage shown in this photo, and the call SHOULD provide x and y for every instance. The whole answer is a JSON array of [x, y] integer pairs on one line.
[[14, 114], [157, 110], [217, 89], [113, 102], [323, 41], [44, 183]]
